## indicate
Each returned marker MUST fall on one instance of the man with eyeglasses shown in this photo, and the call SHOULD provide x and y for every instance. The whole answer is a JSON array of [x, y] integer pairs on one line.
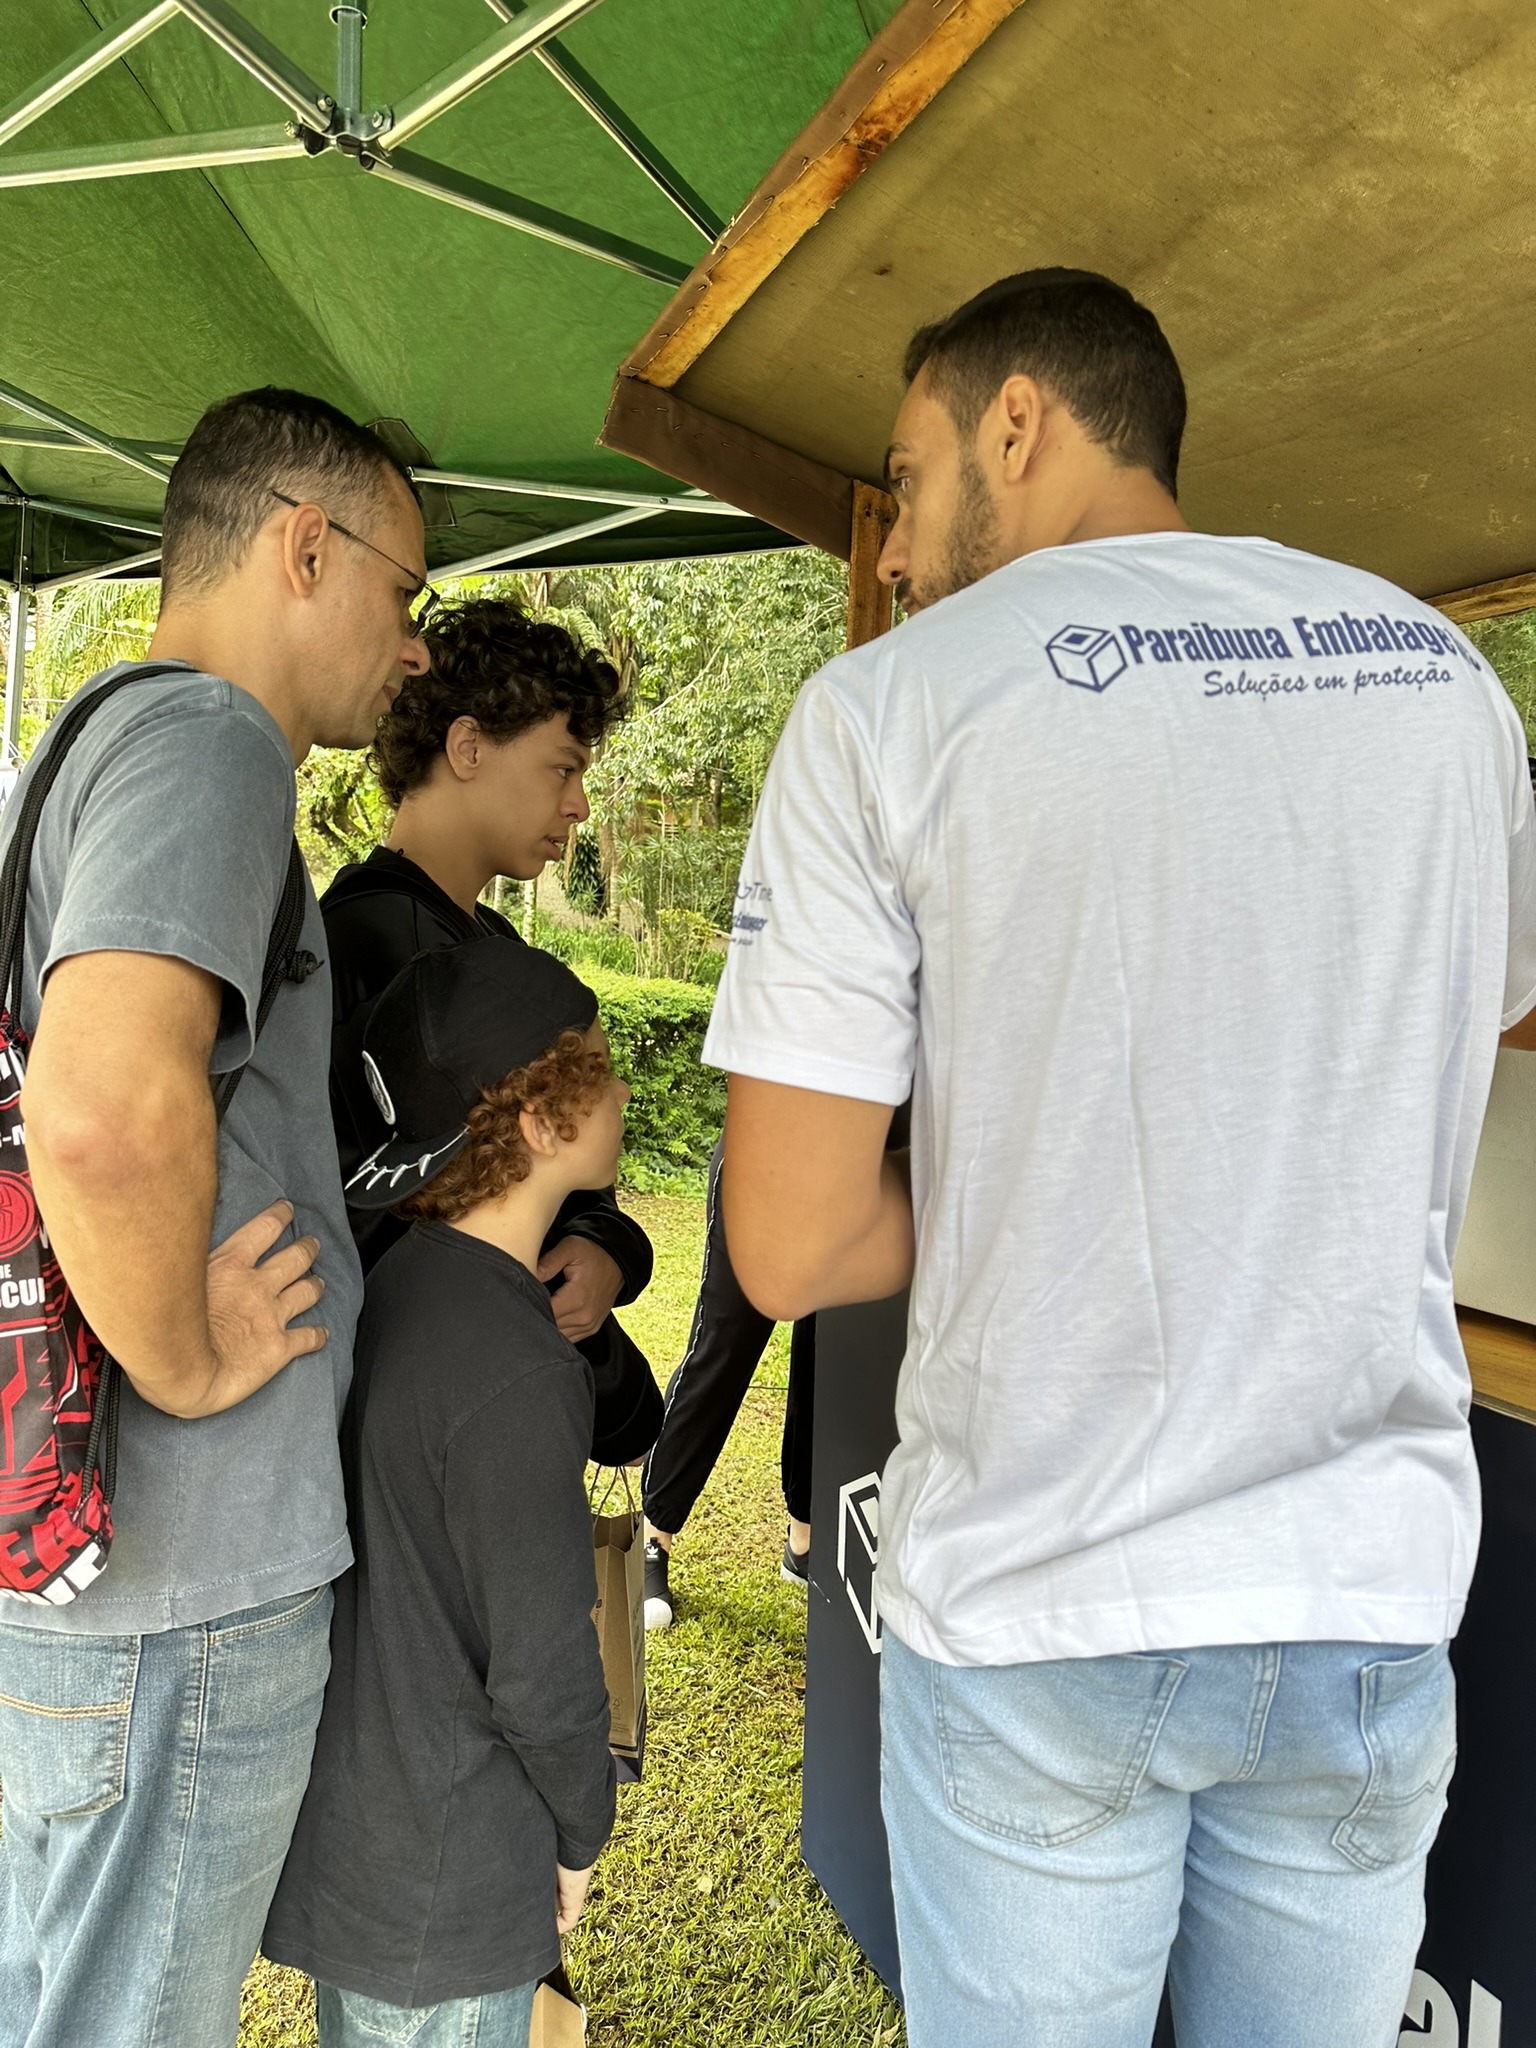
[[156, 1731]]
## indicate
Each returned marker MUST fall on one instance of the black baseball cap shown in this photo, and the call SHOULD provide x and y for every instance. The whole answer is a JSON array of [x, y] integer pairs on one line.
[[449, 1025]]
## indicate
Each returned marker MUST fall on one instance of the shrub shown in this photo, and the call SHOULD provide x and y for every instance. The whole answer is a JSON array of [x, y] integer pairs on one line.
[[686, 870], [681, 946], [583, 946], [656, 1029], [585, 889]]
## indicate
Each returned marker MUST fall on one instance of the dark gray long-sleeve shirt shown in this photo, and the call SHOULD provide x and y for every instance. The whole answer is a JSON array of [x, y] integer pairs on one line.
[[463, 1748]]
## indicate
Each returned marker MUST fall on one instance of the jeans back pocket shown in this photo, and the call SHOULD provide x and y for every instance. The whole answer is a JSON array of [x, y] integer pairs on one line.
[[1408, 1725], [1044, 1754], [65, 1705]]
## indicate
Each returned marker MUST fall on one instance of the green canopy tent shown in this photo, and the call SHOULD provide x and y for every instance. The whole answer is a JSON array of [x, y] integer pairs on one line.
[[451, 220]]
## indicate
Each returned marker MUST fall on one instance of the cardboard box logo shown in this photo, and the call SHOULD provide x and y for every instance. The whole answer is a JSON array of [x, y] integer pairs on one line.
[[858, 1550], [1089, 656]]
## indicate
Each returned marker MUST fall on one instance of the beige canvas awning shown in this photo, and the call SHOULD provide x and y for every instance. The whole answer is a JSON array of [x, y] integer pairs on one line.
[[1329, 208]]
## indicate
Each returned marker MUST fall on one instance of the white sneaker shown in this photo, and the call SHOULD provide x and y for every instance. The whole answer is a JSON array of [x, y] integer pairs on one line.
[[658, 1594]]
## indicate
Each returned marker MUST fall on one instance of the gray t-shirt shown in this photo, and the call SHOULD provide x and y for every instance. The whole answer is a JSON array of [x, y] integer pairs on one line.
[[168, 832]]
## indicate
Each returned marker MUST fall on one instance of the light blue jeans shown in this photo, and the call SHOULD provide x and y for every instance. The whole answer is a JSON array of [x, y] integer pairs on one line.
[[499, 2019], [151, 1787], [1253, 1821]]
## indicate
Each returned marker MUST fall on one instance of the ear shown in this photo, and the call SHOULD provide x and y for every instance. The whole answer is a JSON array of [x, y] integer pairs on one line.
[[539, 1134], [1017, 422], [462, 745], [304, 541]]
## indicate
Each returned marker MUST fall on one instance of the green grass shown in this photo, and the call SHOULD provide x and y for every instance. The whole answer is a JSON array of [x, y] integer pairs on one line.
[[704, 1929]]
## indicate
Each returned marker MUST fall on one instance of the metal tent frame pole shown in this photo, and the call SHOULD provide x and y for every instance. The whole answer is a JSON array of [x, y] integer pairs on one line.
[[581, 494], [67, 432], [320, 122], [515, 553], [103, 572], [19, 616], [78, 432], [371, 138], [617, 126], [92, 515]]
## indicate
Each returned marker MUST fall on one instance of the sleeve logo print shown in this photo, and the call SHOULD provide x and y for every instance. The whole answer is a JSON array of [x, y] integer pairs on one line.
[[753, 901], [1090, 656]]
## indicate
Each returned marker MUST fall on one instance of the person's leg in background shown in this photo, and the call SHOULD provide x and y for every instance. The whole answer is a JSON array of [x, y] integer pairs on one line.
[[497, 2019], [795, 1452], [1049, 1823], [703, 1399], [151, 1788]]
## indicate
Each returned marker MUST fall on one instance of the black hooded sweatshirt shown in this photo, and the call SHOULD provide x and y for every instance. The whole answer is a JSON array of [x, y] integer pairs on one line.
[[378, 916]]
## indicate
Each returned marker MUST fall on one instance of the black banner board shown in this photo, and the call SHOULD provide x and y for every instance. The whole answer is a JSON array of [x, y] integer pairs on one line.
[[1476, 1982], [842, 1837], [1475, 1986]]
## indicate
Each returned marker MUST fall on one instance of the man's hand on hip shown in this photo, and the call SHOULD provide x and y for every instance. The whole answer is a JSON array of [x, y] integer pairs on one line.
[[252, 1301], [589, 1287]]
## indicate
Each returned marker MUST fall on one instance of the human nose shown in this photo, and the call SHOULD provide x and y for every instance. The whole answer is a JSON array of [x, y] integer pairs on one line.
[[577, 808], [625, 1092], [895, 555], [414, 658]]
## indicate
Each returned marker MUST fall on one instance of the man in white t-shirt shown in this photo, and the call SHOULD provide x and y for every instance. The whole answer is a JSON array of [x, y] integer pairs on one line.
[[1185, 881]]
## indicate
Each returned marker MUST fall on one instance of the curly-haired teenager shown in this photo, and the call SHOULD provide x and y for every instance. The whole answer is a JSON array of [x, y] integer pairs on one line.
[[462, 1784], [482, 758]]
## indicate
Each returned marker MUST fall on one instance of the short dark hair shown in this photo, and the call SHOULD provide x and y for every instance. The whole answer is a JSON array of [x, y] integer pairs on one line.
[[1082, 336], [242, 450], [492, 663]]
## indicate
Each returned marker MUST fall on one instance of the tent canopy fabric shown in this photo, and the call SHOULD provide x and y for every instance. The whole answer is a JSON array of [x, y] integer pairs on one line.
[[129, 302], [1328, 208]]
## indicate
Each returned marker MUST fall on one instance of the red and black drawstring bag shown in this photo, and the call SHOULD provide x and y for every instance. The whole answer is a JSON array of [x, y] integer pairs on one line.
[[60, 1392]]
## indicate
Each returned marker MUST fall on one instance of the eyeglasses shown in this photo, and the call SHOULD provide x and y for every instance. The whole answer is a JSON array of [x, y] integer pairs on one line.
[[431, 599]]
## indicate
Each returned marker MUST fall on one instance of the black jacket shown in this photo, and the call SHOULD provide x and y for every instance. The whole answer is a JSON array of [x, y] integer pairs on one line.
[[378, 916]]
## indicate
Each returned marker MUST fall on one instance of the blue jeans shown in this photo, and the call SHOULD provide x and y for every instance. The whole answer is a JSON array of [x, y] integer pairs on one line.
[[1253, 1821], [151, 1787], [498, 2019]]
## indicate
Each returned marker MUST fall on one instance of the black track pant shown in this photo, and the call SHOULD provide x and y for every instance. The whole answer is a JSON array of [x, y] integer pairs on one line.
[[705, 1394]]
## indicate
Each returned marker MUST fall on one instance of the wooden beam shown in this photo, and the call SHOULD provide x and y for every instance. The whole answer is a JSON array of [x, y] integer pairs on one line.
[[918, 51], [799, 496], [869, 600], [1489, 600]]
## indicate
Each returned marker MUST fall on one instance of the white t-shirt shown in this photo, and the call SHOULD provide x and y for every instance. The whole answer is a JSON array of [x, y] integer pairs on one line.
[[1184, 881]]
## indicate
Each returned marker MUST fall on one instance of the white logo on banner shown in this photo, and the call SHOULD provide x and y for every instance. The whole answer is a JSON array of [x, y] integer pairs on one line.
[[858, 1550], [1435, 2022]]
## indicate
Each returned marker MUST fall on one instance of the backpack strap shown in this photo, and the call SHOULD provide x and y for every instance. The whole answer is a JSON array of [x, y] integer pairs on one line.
[[14, 873], [283, 959], [284, 962]]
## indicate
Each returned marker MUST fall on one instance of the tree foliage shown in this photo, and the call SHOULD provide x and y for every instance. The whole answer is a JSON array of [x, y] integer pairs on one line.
[[1510, 644], [656, 1030], [719, 651], [713, 654]]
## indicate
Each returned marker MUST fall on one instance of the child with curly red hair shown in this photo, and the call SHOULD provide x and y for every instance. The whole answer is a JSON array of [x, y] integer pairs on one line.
[[462, 1784]]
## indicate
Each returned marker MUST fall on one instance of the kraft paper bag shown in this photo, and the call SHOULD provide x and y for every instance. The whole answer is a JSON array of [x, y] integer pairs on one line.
[[558, 2021], [618, 1545]]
